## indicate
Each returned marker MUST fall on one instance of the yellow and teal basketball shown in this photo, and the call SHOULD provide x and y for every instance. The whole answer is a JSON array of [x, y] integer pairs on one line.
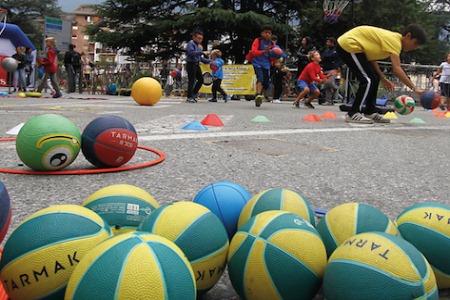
[[134, 265], [346, 220], [41, 253], [123, 206], [426, 226], [48, 142], [276, 255], [378, 265], [277, 199], [200, 235]]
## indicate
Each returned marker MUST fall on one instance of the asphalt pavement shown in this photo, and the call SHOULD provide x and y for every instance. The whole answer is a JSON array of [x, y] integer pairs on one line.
[[389, 166]]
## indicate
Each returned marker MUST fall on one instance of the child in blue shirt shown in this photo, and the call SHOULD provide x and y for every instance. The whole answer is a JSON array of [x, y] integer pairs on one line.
[[217, 74], [261, 62]]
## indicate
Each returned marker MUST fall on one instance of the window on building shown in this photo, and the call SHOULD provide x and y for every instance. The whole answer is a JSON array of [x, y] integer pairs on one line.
[[75, 27]]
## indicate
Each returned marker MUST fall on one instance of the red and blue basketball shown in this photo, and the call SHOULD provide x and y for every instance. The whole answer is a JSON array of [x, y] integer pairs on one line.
[[426, 226], [109, 141], [276, 255], [430, 99], [226, 200], [214, 66], [5, 211], [276, 53], [135, 266], [378, 265], [42, 252]]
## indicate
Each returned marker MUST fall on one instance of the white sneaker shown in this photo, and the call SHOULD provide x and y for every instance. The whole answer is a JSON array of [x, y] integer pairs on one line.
[[377, 118], [358, 118], [276, 101]]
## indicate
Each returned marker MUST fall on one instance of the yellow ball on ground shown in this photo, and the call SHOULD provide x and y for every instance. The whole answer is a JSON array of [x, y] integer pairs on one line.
[[21, 95], [146, 91]]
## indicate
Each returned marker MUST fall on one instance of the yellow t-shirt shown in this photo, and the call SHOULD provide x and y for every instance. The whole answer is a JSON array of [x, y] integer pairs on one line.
[[376, 43]]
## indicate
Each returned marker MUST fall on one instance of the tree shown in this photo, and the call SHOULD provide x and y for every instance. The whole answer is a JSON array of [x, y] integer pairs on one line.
[[163, 26], [26, 13]]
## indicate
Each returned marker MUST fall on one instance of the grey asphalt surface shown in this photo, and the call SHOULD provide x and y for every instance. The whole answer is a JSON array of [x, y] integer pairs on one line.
[[331, 162]]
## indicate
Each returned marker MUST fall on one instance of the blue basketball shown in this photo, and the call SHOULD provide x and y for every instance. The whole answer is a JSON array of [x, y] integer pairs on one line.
[[226, 200], [430, 99], [5, 211], [109, 141]]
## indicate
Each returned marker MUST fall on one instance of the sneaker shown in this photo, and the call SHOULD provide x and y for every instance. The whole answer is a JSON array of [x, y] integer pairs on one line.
[[212, 100], [327, 103], [266, 99], [377, 118], [358, 118], [443, 107], [276, 101], [58, 95], [295, 104], [308, 105], [258, 100], [191, 100], [225, 98]]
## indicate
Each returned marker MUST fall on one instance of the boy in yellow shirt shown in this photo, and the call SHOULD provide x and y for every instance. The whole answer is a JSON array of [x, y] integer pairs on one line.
[[360, 48]]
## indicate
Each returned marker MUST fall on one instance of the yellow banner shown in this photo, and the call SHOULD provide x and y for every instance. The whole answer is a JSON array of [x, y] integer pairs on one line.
[[237, 79]]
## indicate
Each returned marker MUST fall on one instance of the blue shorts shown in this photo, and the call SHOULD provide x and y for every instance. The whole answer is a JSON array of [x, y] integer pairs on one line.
[[263, 76], [445, 89], [302, 84]]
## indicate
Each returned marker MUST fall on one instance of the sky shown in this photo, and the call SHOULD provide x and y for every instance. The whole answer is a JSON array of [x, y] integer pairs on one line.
[[71, 5]]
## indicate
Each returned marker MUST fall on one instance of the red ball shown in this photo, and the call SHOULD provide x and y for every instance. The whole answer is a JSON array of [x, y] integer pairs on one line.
[[109, 141], [430, 99], [5, 211], [276, 53], [214, 66]]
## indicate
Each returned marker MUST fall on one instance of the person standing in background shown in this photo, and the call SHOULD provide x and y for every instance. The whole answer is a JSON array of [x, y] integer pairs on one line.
[[195, 55], [443, 72], [50, 63]]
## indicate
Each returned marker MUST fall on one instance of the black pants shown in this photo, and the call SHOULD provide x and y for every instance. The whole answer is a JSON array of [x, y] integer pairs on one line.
[[277, 89], [195, 76], [216, 87], [368, 80]]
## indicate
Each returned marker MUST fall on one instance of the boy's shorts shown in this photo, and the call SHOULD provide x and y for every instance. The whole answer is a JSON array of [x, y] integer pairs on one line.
[[302, 84], [263, 76], [445, 89]]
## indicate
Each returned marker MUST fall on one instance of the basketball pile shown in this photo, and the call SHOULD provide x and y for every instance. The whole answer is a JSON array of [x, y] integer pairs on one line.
[[52, 142], [120, 244]]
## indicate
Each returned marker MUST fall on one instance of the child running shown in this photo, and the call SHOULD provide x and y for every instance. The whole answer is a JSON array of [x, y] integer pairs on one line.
[[310, 74]]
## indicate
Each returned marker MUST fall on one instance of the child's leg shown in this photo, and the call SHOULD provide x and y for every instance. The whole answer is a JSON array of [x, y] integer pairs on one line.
[[314, 93], [54, 81], [302, 95], [214, 88]]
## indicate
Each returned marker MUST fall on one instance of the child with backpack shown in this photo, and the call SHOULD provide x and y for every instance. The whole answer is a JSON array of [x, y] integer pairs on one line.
[[259, 57], [217, 75]]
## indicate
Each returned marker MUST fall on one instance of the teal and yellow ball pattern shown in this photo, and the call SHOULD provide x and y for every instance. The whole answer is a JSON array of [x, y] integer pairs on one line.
[[200, 235], [378, 265], [426, 226], [277, 199], [41, 253], [123, 206], [346, 220], [276, 255], [48, 142], [133, 265]]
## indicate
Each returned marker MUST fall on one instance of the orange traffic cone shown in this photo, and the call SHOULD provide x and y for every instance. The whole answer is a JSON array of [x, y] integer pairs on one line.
[[311, 118], [329, 115], [212, 120]]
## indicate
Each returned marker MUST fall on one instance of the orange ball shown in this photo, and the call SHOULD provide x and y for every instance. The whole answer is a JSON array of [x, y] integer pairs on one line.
[[146, 91]]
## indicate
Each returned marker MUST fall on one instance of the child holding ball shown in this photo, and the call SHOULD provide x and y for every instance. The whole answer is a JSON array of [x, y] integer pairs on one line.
[[217, 75]]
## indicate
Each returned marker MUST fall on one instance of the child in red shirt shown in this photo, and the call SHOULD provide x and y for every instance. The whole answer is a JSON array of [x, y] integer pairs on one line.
[[310, 74]]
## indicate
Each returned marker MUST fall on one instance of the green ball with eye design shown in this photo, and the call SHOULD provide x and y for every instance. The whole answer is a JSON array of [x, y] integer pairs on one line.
[[48, 142]]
